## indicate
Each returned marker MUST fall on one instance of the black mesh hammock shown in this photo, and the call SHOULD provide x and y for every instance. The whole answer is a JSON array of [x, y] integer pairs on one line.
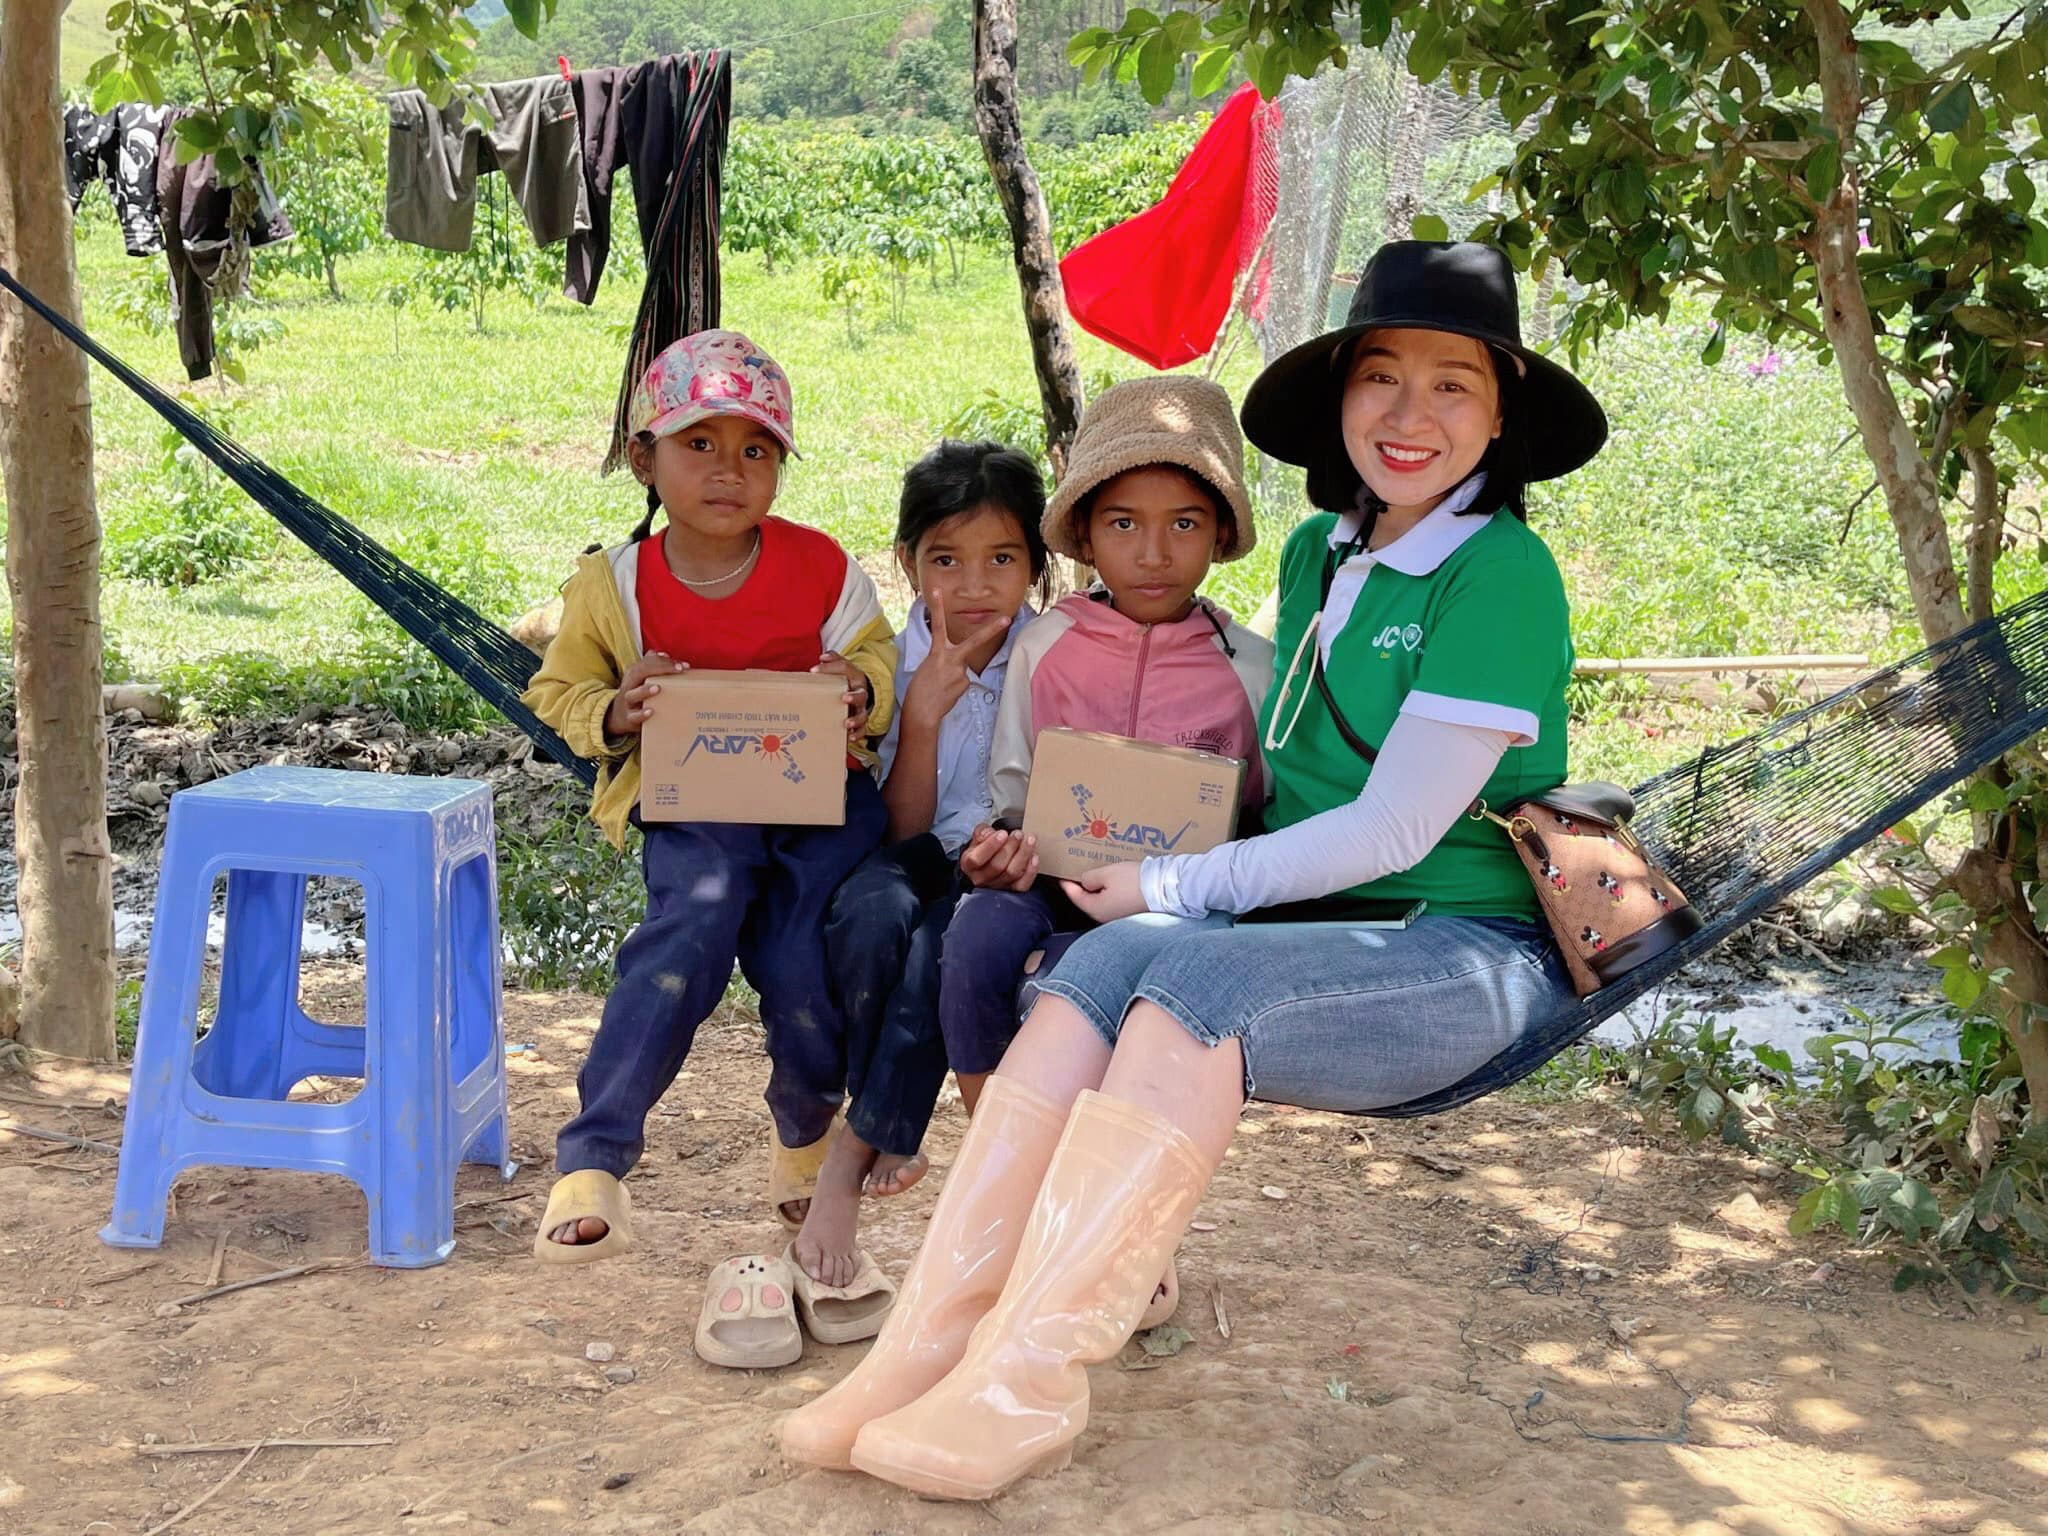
[[1740, 826]]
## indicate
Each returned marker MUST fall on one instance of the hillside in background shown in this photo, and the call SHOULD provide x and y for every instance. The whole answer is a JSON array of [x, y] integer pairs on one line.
[[85, 38]]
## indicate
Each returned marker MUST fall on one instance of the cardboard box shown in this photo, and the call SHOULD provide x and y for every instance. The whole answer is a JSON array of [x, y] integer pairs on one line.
[[766, 748], [1097, 800]]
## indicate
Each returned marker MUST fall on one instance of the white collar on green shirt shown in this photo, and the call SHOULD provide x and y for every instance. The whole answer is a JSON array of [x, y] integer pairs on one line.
[[1430, 542], [1418, 552]]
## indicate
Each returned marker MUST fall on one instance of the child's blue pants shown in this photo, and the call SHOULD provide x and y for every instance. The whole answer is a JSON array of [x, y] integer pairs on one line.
[[883, 940], [717, 893]]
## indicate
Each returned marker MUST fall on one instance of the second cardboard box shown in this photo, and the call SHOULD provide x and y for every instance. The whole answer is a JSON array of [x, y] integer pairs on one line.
[[1097, 799]]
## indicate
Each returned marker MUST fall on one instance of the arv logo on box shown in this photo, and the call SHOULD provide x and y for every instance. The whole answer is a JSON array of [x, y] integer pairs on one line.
[[756, 743], [1108, 830]]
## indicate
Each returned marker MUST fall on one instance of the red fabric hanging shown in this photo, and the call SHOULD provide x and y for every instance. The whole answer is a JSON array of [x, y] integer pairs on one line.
[[1159, 286]]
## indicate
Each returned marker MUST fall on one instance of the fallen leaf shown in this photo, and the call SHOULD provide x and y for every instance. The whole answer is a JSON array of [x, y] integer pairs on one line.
[[1222, 1313], [1164, 1341], [1340, 1390], [1273, 1192], [1625, 1329]]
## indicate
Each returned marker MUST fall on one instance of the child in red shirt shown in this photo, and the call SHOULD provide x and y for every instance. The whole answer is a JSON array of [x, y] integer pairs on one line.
[[722, 585]]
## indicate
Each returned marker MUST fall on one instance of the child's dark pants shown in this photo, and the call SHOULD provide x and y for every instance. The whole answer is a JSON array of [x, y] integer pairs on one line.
[[882, 943], [716, 893], [991, 936]]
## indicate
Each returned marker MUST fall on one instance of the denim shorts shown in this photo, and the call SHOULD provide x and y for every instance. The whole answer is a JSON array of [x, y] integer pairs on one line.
[[1329, 1017]]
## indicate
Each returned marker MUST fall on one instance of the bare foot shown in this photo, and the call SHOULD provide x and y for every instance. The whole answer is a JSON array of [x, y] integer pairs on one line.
[[892, 1175], [824, 1249], [570, 1233]]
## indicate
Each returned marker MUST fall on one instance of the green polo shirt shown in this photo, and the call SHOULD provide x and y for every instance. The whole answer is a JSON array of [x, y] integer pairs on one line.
[[1462, 620]]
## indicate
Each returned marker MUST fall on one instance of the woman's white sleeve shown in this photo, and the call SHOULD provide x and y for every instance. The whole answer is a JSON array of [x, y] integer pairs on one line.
[[1427, 775]]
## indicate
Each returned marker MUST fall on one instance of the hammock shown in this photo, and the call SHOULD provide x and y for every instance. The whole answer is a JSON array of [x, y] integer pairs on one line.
[[479, 652], [1740, 827]]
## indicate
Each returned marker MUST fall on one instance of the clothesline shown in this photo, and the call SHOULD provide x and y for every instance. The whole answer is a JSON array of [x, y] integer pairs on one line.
[[559, 140]]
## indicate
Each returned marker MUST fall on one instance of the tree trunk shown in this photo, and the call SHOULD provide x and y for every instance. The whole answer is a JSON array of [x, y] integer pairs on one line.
[[1911, 492], [65, 896], [1038, 269]]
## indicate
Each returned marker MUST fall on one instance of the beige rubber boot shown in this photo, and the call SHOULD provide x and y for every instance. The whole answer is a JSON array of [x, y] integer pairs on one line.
[[955, 1278], [1122, 1188]]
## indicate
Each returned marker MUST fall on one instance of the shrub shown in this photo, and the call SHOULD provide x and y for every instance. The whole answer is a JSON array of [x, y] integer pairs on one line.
[[190, 524]]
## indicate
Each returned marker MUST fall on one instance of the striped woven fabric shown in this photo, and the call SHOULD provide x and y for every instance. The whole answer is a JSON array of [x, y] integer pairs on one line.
[[682, 292]]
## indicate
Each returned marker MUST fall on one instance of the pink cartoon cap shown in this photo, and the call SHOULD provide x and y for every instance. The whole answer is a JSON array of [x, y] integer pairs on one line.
[[713, 373]]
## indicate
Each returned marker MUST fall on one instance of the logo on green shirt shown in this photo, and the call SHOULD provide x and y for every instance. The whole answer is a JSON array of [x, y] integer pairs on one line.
[[1407, 636]]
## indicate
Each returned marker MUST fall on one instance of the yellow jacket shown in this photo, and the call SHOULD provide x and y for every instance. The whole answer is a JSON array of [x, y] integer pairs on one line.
[[600, 638]]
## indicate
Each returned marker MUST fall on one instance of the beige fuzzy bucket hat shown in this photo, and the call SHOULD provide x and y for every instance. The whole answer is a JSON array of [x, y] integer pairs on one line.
[[1172, 419]]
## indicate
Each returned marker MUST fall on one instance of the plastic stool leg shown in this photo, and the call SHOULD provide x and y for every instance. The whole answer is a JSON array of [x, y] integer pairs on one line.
[[248, 1052], [411, 1186], [163, 1060]]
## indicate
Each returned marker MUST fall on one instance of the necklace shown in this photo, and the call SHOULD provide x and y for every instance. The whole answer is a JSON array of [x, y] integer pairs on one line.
[[714, 581]]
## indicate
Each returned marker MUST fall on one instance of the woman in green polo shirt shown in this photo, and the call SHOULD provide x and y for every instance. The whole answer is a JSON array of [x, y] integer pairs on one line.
[[1430, 647]]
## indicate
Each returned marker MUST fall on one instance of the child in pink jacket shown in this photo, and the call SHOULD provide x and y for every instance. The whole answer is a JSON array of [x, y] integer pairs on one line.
[[1153, 495]]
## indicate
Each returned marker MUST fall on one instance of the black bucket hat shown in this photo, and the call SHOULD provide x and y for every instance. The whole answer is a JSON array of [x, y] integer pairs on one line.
[[1426, 285]]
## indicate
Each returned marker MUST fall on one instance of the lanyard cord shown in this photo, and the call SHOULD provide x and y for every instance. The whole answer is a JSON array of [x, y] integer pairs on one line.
[[1278, 736]]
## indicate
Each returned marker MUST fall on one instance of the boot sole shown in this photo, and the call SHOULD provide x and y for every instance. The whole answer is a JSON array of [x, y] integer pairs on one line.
[[928, 1484]]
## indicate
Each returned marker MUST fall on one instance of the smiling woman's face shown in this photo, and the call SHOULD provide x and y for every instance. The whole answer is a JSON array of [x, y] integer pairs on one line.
[[1420, 408]]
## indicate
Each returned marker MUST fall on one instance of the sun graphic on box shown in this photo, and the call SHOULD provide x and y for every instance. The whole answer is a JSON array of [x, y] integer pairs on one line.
[[773, 745]]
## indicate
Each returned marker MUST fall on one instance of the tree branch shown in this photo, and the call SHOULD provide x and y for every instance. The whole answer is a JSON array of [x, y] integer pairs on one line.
[[1987, 530], [1912, 493]]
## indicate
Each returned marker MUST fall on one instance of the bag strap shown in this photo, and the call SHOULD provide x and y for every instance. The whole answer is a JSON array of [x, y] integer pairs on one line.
[[1334, 559]]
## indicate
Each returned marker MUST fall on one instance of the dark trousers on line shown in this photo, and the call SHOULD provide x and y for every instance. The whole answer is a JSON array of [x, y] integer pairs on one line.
[[717, 893]]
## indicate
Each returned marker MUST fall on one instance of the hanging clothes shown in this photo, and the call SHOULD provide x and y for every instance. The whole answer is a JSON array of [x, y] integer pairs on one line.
[[433, 156], [206, 254], [536, 143], [430, 163], [85, 136], [600, 98], [1159, 286], [674, 118], [127, 155]]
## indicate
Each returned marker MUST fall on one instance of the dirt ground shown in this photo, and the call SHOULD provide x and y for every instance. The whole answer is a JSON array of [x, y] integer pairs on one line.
[[1512, 1319]]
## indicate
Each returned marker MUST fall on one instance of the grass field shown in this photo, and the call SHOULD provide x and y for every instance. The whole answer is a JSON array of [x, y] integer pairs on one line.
[[84, 39], [1712, 523]]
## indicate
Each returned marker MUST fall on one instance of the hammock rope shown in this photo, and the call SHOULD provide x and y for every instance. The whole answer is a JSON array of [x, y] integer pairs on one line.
[[1740, 827]]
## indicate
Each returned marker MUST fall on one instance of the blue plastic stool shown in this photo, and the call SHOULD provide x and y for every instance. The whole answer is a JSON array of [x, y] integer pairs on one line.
[[431, 1051]]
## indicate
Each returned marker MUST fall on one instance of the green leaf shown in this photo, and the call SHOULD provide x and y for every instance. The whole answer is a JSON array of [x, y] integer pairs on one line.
[[1273, 67], [525, 16], [1983, 795], [1950, 110], [1991, 324], [1083, 45], [1212, 70], [1895, 898], [1962, 985], [1717, 344], [1771, 1056], [1612, 82], [1823, 170], [1427, 226], [1157, 65], [200, 133], [111, 89], [1912, 1209]]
